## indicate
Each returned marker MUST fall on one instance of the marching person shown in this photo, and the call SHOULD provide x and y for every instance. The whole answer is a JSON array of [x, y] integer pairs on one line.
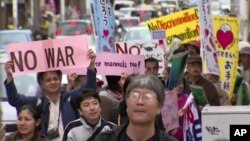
[[144, 99], [194, 77], [57, 107], [151, 66], [90, 124]]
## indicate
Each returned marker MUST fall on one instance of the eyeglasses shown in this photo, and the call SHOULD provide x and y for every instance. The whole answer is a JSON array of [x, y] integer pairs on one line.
[[147, 96]]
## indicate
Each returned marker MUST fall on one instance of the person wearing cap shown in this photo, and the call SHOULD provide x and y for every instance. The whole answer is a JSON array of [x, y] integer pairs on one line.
[[244, 59], [57, 107], [194, 77], [193, 47], [145, 97], [215, 79]]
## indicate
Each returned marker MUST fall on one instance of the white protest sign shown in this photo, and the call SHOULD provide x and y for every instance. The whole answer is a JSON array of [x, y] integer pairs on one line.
[[153, 48], [207, 37]]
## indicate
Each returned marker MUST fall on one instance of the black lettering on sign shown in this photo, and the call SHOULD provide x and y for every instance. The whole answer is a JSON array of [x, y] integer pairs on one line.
[[50, 57], [22, 61], [120, 49], [60, 58], [28, 64], [18, 61], [69, 54]]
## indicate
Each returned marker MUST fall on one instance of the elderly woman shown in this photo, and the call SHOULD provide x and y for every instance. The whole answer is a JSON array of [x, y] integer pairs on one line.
[[144, 99]]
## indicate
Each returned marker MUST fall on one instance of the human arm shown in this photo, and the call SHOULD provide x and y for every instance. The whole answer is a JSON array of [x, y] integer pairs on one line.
[[8, 66], [91, 78], [15, 99], [71, 80], [91, 73], [2, 133]]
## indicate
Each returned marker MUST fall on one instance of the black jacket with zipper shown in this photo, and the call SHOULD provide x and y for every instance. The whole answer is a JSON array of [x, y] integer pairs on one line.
[[119, 133]]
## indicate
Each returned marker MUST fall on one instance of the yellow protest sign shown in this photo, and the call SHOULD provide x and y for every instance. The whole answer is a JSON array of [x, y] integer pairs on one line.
[[183, 25], [226, 33]]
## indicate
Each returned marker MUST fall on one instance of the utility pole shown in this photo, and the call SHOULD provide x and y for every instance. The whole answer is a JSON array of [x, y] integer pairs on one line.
[[83, 7], [15, 12], [36, 14], [244, 18], [62, 9], [241, 10], [2, 14]]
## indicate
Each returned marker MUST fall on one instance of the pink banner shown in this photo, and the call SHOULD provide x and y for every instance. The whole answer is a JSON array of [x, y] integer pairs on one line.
[[114, 64], [169, 111], [207, 37], [38, 56]]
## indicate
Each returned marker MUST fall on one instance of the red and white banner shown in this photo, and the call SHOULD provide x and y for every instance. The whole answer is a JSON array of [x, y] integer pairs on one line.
[[209, 53], [192, 122]]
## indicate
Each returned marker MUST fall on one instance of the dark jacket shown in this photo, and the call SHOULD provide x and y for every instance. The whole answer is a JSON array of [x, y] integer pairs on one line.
[[118, 114], [107, 105], [210, 91], [67, 101], [17, 137], [119, 133]]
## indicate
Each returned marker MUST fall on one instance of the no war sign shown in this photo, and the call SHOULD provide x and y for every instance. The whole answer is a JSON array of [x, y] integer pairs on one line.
[[38, 56]]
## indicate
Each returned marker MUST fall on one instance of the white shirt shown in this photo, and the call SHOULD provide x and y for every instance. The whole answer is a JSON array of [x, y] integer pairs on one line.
[[53, 119]]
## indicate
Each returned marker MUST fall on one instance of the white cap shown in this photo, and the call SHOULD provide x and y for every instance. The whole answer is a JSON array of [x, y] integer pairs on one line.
[[244, 47]]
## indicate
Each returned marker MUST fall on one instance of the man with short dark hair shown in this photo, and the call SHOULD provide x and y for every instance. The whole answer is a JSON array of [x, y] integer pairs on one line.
[[151, 66], [57, 107], [90, 124], [194, 70]]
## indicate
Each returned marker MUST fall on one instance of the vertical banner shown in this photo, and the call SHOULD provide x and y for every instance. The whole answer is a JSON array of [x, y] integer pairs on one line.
[[104, 24], [207, 38], [192, 123], [227, 30]]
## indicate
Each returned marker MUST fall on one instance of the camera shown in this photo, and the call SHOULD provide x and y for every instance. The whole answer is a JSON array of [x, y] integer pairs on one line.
[[53, 133]]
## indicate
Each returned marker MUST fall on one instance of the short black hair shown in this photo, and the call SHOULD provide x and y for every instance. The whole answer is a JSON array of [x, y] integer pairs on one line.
[[40, 75], [151, 59], [86, 93], [113, 83], [126, 82]]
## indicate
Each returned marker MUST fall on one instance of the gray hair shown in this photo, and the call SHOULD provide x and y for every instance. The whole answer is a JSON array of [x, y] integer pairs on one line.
[[148, 81]]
